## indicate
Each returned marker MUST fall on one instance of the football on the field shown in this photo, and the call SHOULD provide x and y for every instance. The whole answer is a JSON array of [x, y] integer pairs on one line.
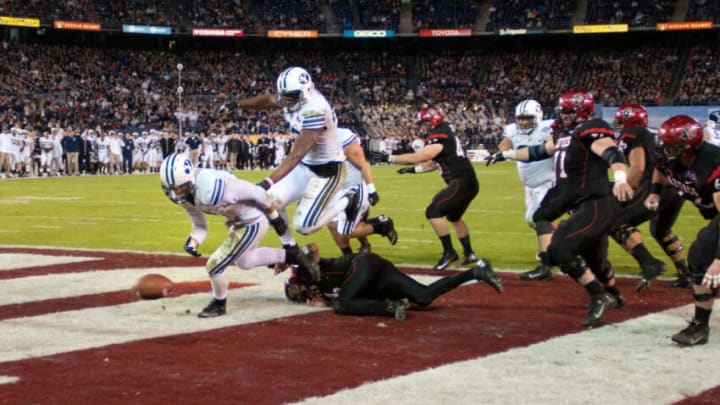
[[153, 286]]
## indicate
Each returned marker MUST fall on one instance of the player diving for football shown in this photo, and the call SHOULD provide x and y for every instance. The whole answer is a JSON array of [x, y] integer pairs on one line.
[[247, 210]]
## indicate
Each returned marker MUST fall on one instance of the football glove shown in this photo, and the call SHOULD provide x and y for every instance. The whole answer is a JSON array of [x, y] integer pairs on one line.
[[190, 247], [373, 198], [227, 107], [404, 170], [494, 158]]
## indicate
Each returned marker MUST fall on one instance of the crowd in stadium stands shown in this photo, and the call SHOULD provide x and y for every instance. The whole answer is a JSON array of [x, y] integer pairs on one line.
[[704, 10], [290, 14], [530, 14], [605, 72], [343, 11], [701, 79], [379, 14], [443, 14], [636, 13]]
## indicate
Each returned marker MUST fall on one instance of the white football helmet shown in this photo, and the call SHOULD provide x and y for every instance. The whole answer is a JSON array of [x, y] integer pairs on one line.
[[177, 177], [294, 85], [528, 108]]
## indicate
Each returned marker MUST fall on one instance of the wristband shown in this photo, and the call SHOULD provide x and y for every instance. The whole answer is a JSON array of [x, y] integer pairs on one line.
[[655, 188], [273, 214], [620, 177], [509, 154], [371, 188], [418, 168], [266, 184]]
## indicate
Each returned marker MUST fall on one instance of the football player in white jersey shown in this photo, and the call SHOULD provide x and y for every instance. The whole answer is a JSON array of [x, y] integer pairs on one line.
[[316, 156], [711, 134], [247, 209], [538, 177], [359, 176]]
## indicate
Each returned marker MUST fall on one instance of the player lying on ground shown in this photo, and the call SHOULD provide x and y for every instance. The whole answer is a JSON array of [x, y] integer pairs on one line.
[[367, 284]]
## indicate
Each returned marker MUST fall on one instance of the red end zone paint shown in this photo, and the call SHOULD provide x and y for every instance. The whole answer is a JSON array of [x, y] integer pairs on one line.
[[293, 358]]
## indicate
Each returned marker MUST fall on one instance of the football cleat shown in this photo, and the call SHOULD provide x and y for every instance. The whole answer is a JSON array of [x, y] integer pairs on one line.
[[398, 309], [388, 229], [483, 271], [445, 260], [694, 334], [365, 246], [308, 257], [650, 271], [599, 306], [215, 308], [541, 272], [469, 259]]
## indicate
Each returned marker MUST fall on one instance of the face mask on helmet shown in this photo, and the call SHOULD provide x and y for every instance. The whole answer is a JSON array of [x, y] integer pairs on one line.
[[680, 137], [293, 88], [575, 106], [177, 178], [429, 117], [528, 115], [631, 116]]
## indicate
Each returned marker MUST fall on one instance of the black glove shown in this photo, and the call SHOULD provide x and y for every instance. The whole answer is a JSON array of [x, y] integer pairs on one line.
[[190, 249], [379, 157], [373, 198], [228, 106], [280, 225], [403, 170], [495, 157], [265, 184]]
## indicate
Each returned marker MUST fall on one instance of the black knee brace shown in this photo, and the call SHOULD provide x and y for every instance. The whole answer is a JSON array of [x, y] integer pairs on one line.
[[607, 273], [574, 268], [543, 228], [666, 243], [705, 297], [622, 233]]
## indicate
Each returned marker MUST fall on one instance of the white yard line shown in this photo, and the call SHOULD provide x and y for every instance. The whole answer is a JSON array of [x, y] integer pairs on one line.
[[633, 362], [11, 261]]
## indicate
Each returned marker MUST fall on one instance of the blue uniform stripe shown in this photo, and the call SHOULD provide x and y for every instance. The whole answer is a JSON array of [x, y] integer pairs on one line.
[[320, 202], [349, 142], [218, 191], [240, 247], [169, 174]]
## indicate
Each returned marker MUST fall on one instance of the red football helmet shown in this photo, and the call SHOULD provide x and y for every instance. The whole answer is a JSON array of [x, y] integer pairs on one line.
[[578, 101], [631, 116], [681, 136], [430, 114]]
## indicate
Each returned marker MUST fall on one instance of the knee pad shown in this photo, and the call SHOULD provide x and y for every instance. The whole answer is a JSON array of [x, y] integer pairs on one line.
[[543, 228], [622, 233], [665, 243], [573, 268], [607, 273], [432, 212], [705, 297]]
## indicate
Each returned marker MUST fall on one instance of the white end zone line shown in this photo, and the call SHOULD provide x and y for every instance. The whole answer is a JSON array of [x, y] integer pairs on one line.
[[7, 379], [633, 362], [12, 261]]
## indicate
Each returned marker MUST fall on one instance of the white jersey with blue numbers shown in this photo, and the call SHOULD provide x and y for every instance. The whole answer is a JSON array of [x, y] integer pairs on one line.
[[315, 114], [532, 174], [218, 192], [353, 175]]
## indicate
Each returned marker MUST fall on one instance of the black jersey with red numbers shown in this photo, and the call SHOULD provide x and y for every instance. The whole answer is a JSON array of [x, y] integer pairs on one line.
[[639, 137], [701, 180], [452, 160], [581, 174]]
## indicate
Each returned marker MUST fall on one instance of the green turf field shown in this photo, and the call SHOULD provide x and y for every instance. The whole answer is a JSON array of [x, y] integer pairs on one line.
[[132, 213]]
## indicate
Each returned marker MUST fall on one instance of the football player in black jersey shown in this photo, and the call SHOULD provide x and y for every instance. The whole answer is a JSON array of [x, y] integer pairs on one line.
[[582, 148], [444, 152], [638, 146], [693, 167], [367, 284]]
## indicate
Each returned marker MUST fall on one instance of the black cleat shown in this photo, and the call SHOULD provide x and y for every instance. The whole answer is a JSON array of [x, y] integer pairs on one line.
[[309, 257], [398, 309], [599, 306], [541, 272], [469, 259], [215, 308], [353, 205], [364, 246], [682, 281], [483, 271], [388, 229], [650, 271], [445, 260], [694, 334]]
